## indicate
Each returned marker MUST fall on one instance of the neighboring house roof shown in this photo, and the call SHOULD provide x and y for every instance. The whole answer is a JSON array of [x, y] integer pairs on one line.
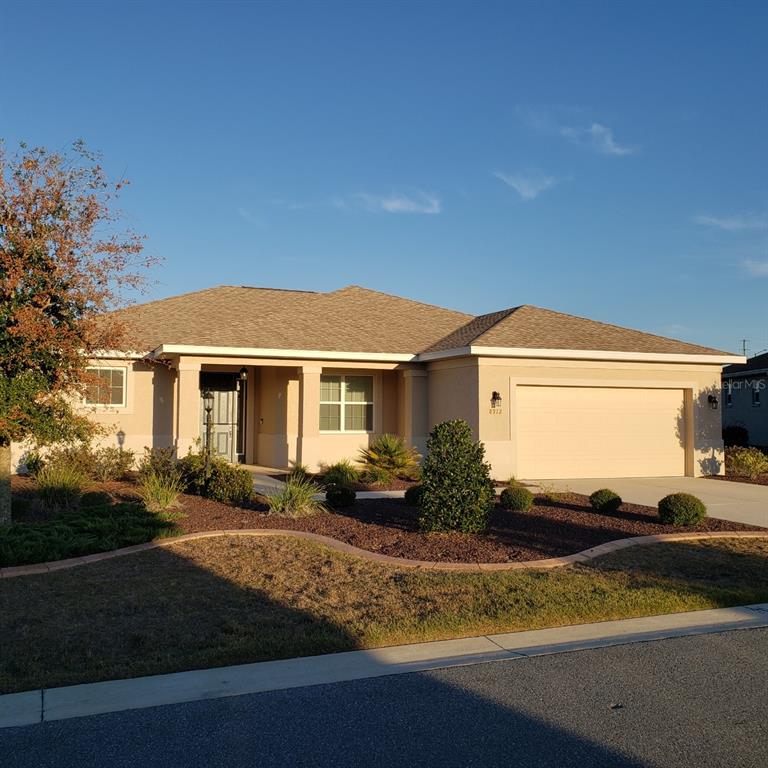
[[530, 327], [756, 364], [359, 320]]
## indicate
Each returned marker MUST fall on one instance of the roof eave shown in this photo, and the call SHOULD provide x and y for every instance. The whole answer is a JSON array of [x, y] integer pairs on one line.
[[287, 354], [583, 354]]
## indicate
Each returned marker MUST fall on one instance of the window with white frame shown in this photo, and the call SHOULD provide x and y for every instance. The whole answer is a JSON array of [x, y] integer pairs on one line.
[[756, 394], [728, 394], [346, 403], [105, 386]]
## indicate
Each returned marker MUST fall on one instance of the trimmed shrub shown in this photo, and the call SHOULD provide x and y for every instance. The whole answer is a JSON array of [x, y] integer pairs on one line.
[[458, 492], [516, 498], [295, 498], [76, 456], [342, 473], [159, 461], [736, 435], [390, 454], [682, 509], [605, 500], [110, 463], [746, 462], [339, 496], [222, 482], [229, 483], [95, 499], [160, 492], [413, 495], [59, 485], [33, 463]]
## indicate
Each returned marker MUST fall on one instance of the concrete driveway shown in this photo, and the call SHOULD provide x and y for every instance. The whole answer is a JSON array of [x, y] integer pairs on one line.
[[741, 502]]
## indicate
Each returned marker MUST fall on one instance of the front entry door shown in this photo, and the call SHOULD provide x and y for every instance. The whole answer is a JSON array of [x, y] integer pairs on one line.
[[224, 431], [224, 416]]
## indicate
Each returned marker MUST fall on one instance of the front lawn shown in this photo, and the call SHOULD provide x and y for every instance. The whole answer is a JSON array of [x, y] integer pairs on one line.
[[225, 601]]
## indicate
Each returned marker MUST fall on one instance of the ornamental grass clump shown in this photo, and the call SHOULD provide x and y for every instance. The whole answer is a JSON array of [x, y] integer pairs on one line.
[[458, 493], [343, 473], [60, 485], [295, 498], [159, 491]]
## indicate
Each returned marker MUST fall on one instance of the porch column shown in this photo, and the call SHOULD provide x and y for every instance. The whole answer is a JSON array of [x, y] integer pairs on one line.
[[187, 396], [415, 419], [309, 416]]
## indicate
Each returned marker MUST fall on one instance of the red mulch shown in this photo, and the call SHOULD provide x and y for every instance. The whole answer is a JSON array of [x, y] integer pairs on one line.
[[389, 526], [760, 480]]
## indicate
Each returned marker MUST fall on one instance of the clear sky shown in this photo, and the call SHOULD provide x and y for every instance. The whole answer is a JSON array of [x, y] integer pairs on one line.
[[604, 159]]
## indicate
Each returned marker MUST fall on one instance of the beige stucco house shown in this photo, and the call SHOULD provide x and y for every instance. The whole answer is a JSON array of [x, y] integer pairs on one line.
[[308, 377]]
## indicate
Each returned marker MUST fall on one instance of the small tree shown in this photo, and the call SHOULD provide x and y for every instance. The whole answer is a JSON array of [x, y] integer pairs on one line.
[[458, 493], [62, 265]]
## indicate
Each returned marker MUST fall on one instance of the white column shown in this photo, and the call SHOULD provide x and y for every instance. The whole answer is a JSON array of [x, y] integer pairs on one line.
[[414, 408], [309, 415]]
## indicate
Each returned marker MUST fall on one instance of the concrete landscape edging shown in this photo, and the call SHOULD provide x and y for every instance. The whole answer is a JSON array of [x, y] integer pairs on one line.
[[400, 562]]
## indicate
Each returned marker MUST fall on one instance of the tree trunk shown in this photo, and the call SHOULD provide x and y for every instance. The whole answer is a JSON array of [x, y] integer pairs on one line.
[[5, 483]]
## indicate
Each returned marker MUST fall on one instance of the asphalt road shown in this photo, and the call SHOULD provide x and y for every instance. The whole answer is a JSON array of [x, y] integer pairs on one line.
[[689, 702]]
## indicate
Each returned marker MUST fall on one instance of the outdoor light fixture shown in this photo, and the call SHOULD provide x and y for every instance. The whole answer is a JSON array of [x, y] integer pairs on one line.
[[243, 374], [208, 400], [712, 400], [495, 399], [208, 405]]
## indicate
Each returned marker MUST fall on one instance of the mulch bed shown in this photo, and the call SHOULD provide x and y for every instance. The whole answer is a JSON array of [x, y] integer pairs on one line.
[[761, 480], [389, 526]]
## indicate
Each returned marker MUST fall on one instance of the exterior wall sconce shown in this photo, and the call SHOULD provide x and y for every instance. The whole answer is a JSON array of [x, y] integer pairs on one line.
[[712, 400], [495, 399]]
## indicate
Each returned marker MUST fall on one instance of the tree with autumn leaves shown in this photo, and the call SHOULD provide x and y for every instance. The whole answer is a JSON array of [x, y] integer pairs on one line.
[[64, 262]]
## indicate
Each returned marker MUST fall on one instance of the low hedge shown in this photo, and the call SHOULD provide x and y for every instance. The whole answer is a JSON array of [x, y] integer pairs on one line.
[[682, 509], [80, 532]]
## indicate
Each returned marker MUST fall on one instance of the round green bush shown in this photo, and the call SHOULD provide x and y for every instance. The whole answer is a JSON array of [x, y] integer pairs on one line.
[[517, 498], [339, 496], [413, 495], [605, 500], [681, 509]]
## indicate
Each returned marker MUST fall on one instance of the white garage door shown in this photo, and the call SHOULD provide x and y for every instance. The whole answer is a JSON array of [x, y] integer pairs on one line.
[[599, 432]]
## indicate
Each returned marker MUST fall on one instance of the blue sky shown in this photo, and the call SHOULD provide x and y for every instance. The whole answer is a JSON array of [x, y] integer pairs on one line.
[[604, 159]]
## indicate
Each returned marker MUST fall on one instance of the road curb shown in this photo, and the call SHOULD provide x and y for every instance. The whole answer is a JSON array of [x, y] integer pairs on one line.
[[400, 562], [31, 707]]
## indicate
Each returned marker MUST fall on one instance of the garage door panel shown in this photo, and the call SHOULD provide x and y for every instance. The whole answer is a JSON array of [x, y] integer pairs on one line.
[[599, 432]]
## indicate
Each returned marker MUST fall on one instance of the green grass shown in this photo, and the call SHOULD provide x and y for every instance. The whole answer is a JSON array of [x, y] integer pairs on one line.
[[80, 532], [224, 601]]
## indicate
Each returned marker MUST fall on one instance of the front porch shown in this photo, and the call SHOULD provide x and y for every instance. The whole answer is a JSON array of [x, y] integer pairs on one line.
[[270, 413]]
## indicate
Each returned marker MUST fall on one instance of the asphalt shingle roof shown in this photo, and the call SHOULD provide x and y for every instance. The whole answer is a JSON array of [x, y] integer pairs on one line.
[[536, 328], [355, 319]]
